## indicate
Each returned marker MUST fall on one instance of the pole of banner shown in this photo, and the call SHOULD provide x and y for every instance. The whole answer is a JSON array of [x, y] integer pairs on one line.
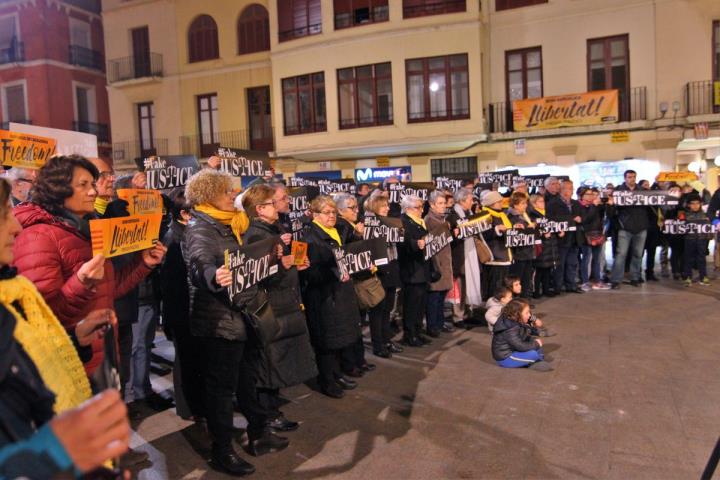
[[712, 462]]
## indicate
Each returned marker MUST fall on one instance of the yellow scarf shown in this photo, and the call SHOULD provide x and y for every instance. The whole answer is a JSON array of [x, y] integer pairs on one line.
[[237, 220], [46, 343], [417, 220], [501, 215], [330, 231], [541, 212], [101, 205]]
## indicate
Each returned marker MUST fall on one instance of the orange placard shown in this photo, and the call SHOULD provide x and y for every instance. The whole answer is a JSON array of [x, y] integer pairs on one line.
[[677, 177], [24, 150], [118, 236], [142, 202], [299, 252], [591, 108]]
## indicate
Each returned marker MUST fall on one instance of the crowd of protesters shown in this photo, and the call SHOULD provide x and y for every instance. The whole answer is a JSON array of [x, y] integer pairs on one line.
[[304, 323]]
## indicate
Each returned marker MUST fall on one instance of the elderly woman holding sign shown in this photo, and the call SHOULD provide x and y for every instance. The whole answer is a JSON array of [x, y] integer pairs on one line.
[[215, 228], [287, 358], [332, 309], [54, 249], [442, 263]]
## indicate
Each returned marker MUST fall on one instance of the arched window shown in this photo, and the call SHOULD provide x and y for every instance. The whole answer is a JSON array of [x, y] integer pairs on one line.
[[253, 30], [203, 39]]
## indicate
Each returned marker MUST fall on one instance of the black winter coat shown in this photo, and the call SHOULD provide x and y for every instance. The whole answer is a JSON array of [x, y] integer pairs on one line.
[[414, 269], [331, 306], [502, 255], [457, 247], [288, 359], [211, 313], [521, 253], [632, 219], [510, 336], [549, 254], [173, 281], [559, 211]]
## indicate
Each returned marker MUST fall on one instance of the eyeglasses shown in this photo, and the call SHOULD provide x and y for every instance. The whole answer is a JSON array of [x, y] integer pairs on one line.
[[267, 203], [331, 213], [106, 175], [355, 207], [282, 199]]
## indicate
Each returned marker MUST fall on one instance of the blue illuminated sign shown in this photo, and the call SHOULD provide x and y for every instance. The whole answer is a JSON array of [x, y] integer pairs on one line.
[[381, 173]]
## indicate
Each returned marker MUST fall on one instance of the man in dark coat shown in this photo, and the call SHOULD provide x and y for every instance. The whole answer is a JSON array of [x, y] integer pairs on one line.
[[565, 208]]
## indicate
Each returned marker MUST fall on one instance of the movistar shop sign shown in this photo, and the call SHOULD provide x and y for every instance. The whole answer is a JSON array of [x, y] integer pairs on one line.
[[381, 173]]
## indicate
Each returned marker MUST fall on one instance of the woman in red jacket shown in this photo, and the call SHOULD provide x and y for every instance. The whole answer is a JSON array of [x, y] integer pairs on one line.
[[54, 249]]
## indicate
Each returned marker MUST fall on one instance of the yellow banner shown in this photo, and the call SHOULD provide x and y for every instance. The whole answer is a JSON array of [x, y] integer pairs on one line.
[[142, 202], [677, 177], [717, 93], [620, 136], [23, 150], [591, 108], [121, 235]]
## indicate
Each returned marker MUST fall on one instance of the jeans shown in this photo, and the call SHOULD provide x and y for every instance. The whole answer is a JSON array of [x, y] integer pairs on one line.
[[590, 271], [566, 270], [634, 244], [522, 359], [695, 251], [434, 315], [143, 333]]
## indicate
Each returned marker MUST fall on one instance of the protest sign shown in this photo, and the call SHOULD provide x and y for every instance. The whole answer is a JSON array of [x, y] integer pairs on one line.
[[328, 187], [117, 236], [251, 264], [388, 228], [142, 202], [520, 238], [299, 251], [360, 256], [302, 182], [503, 178], [533, 182], [545, 225], [245, 164], [299, 201], [453, 182], [645, 198], [23, 150], [677, 177], [399, 190], [681, 227], [67, 142], [436, 241], [474, 226], [166, 173]]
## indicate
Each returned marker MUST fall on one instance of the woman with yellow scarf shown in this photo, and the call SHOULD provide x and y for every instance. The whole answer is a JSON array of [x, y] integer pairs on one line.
[[41, 375], [219, 324]]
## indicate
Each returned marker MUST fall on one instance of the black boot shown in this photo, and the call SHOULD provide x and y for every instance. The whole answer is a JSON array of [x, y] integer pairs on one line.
[[345, 383], [265, 441], [229, 461], [282, 424]]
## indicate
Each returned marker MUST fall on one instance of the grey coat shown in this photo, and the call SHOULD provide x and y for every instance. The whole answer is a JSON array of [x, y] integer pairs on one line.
[[442, 261]]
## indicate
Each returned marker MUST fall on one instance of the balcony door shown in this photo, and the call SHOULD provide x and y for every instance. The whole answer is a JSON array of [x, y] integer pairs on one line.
[[261, 134], [141, 51], [609, 68]]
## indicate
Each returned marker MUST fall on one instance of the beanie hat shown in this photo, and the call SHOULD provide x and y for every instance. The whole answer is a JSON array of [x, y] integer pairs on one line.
[[490, 198]]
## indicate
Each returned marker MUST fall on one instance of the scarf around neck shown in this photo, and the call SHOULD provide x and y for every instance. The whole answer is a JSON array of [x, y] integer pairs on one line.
[[417, 220], [501, 215], [331, 231], [81, 224], [238, 221]]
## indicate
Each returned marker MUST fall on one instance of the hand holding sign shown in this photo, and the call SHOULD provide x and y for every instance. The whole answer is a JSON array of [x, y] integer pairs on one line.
[[93, 271], [93, 326], [286, 238], [223, 276], [421, 244], [154, 256]]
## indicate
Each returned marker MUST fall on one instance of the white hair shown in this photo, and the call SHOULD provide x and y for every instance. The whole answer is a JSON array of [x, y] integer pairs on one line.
[[409, 201], [342, 200], [461, 194], [550, 180], [15, 173], [434, 195]]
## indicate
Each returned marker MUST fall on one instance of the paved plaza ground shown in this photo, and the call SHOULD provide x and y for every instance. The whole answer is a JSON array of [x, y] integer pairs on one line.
[[635, 394]]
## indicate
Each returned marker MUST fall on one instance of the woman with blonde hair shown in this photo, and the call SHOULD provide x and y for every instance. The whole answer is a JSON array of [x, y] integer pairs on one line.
[[220, 324]]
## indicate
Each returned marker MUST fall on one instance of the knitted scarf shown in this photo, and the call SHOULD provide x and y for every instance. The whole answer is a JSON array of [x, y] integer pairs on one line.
[[46, 343], [332, 232], [501, 215], [101, 205], [238, 221]]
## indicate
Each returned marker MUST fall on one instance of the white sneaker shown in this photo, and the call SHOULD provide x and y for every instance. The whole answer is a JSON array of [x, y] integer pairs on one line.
[[601, 286], [585, 287]]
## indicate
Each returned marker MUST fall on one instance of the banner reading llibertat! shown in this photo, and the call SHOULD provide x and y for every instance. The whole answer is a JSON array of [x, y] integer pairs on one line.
[[117, 236], [591, 108]]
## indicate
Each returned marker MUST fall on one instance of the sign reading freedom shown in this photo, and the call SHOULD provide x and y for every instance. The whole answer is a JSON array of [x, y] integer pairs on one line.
[[251, 264], [120, 235], [360, 256], [23, 150], [166, 173], [643, 198], [142, 202]]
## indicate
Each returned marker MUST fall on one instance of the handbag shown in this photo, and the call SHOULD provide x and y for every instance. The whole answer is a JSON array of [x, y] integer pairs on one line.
[[260, 318], [483, 251], [594, 238], [369, 292]]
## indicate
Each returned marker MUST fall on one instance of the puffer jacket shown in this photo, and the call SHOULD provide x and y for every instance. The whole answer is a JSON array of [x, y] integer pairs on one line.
[[494, 307], [331, 306], [49, 252], [442, 261], [502, 255], [549, 255], [510, 336], [211, 312], [288, 359]]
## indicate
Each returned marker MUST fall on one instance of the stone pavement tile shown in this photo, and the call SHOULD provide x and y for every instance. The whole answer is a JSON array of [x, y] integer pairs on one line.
[[647, 444], [620, 470]]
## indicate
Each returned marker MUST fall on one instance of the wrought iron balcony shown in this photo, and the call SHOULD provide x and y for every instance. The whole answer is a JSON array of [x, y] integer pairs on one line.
[[6, 125], [129, 68], [700, 98], [131, 150], [86, 57], [203, 146], [437, 8], [98, 129]]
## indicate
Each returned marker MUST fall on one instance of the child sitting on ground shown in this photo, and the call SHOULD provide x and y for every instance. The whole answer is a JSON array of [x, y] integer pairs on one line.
[[538, 328], [513, 345], [496, 303]]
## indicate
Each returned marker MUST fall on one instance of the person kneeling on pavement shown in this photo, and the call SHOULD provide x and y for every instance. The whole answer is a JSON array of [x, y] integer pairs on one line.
[[513, 345]]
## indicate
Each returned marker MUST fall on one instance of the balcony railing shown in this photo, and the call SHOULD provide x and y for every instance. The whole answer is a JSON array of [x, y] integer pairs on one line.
[[448, 6], [86, 57], [6, 125], [98, 129], [131, 150], [13, 53], [313, 29], [700, 98], [129, 68], [632, 106], [361, 16], [203, 146]]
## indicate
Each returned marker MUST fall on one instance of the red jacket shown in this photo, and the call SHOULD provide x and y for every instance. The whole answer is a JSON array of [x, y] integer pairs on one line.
[[49, 252]]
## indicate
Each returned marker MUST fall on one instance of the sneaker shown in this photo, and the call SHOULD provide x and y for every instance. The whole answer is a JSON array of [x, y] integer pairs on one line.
[[705, 281], [541, 366], [687, 282], [601, 286], [586, 287]]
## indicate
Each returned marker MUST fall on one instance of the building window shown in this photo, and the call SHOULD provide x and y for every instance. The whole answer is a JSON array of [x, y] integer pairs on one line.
[[208, 123], [146, 119], [437, 88], [203, 39], [453, 167], [351, 13], [422, 8], [523, 74], [609, 68], [298, 18], [716, 50], [510, 4], [365, 96], [260, 117], [14, 103], [11, 48], [304, 104], [253, 30]]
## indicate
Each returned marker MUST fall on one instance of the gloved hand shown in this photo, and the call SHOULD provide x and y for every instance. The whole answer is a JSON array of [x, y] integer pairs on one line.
[[116, 208]]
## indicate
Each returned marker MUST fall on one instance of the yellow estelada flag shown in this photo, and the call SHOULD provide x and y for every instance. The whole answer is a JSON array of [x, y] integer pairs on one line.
[[117, 236]]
